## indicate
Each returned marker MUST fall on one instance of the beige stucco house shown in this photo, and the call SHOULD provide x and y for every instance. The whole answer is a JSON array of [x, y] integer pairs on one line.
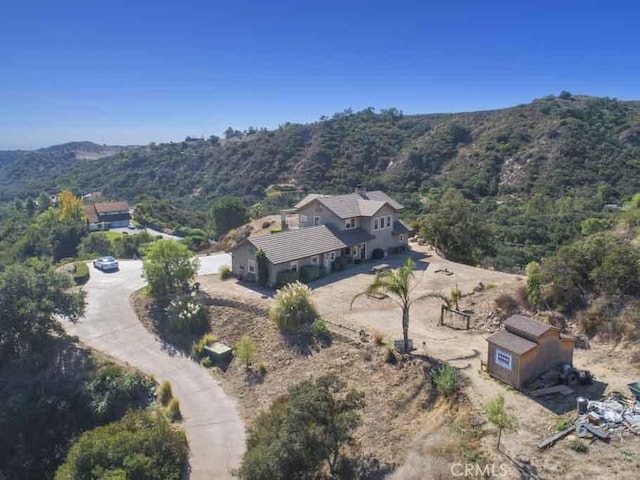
[[356, 226]]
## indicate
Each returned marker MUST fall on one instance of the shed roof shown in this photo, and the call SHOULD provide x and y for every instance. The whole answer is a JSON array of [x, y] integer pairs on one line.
[[526, 326], [511, 342], [295, 244]]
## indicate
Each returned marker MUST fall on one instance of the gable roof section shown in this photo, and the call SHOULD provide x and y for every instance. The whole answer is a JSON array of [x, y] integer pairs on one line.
[[292, 245], [511, 342], [109, 207], [400, 227], [380, 196], [91, 214], [527, 327], [352, 204]]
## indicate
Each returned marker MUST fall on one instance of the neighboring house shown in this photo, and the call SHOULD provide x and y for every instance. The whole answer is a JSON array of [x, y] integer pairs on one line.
[[526, 349], [357, 226], [106, 215]]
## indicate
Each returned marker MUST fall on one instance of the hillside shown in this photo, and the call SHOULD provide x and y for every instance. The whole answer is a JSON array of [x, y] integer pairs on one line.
[[547, 146], [569, 155]]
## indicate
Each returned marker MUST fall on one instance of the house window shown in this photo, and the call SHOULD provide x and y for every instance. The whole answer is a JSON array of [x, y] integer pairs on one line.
[[251, 266], [304, 218], [316, 220], [375, 224], [401, 238], [350, 223], [388, 221], [346, 251], [318, 208], [315, 259], [332, 256], [293, 266]]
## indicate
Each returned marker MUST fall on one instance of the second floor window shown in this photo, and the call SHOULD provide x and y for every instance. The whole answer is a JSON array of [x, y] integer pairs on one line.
[[350, 223], [388, 221], [376, 224]]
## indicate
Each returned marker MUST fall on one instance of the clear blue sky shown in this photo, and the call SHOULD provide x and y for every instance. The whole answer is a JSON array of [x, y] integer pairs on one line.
[[133, 72]]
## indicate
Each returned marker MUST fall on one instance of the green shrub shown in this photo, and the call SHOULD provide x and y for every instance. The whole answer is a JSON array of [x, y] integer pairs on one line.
[[563, 424], [377, 254], [275, 230], [81, 274], [378, 337], [188, 314], [140, 443], [578, 446], [173, 410], [225, 272], [287, 277], [246, 350], [309, 273], [262, 368], [164, 393], [113, 390], [263, 267], [197, 349], [319, 329], [206, 362], [446, 380], [292, 307]]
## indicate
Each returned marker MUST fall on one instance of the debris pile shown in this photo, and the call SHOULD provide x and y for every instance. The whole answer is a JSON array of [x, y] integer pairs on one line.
[[614, 415]]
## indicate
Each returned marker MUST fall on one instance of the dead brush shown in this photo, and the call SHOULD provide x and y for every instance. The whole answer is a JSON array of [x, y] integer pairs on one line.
[[378, 338]]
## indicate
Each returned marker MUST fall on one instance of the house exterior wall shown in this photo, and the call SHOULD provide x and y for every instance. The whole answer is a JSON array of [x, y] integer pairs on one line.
[[384, 238], [284, 267], [509, 375], [118, 223], [316, 209], [240, 260]]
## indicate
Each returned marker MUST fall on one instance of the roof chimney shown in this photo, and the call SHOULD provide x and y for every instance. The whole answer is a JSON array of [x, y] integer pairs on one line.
[[360, 190]]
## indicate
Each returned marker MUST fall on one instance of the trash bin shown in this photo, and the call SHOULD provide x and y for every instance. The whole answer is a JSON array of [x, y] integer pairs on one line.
[[582, 405]]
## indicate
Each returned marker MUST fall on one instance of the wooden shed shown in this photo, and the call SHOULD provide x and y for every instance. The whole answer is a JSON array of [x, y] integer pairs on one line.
[[526, 349]]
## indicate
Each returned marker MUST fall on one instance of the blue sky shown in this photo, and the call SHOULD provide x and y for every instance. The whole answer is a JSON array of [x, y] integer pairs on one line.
[[132, 72]]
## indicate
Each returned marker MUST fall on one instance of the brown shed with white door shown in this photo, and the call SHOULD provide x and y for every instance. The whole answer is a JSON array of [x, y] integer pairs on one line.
[[526, 349]]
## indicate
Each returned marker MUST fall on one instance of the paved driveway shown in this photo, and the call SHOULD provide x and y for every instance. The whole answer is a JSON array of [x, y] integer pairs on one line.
[[214, 429]]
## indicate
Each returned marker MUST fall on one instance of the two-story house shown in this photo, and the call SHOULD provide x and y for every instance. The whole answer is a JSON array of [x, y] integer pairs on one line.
[[359, 226]]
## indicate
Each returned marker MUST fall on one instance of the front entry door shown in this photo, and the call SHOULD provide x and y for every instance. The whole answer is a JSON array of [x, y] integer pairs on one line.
[[363, 251]]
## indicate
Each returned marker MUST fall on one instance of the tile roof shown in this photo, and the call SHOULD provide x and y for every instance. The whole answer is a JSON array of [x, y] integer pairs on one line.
[[528, 327], [295, 244], [511, 342], [108, 207]]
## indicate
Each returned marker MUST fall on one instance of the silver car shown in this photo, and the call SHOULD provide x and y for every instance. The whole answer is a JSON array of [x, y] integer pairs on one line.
[[106, 263]]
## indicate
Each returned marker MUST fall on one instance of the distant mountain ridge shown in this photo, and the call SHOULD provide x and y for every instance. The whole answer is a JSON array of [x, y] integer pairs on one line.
[[549, 146]]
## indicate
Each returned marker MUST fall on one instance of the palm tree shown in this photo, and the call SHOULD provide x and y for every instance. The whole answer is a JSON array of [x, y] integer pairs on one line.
[[396, 285]]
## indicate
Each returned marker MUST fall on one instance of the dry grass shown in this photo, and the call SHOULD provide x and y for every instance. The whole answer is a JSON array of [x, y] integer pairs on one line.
[[399, 397]]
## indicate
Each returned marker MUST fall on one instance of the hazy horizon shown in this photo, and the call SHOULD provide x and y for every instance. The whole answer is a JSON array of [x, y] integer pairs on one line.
[[122, 73]]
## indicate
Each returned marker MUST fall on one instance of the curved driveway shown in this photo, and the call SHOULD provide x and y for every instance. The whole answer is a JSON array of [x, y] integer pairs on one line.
[[213, 426]]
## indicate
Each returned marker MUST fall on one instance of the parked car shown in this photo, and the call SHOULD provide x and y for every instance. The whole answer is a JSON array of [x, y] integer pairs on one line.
[[106, 263]]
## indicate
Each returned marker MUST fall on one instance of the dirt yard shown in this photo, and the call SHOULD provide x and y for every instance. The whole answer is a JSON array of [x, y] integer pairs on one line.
[[461, 348]]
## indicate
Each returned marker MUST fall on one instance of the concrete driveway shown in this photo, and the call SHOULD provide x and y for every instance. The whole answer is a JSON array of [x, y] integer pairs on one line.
[[211, 420]]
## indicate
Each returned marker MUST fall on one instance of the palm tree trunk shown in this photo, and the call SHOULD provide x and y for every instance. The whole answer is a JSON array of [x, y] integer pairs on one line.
[[405, 328]]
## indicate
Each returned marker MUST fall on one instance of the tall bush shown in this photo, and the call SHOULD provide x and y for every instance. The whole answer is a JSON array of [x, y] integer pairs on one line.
[[263, 267], [293, 307], [188, 314]]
